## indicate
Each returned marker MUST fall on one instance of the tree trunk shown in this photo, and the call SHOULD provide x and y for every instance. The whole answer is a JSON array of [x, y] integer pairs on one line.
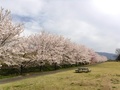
[[21, 69]]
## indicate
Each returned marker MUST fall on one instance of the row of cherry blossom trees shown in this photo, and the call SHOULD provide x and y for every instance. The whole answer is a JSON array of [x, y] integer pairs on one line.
[[39, 49], [48, 49]]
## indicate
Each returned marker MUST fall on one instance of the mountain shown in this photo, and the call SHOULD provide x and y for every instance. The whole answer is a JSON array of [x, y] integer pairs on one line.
[[110, 56]]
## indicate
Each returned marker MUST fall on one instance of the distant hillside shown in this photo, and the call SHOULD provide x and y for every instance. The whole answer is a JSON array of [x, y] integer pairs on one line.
[[110, 56]]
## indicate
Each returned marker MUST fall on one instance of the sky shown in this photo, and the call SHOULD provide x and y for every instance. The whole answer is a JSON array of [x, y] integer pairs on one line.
[[93, 23]]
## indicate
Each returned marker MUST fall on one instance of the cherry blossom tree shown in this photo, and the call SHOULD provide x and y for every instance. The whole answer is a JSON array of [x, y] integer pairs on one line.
[[9, 35]]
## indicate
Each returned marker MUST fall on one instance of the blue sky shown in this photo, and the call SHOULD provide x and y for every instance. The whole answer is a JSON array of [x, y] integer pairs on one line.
[[94, 23]]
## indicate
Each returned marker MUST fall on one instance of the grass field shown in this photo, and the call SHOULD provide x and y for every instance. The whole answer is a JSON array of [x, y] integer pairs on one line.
[[105, 76], [4, 77]]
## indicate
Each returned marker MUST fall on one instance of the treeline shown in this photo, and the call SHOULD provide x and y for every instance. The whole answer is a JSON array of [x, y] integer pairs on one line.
[[39, 50]]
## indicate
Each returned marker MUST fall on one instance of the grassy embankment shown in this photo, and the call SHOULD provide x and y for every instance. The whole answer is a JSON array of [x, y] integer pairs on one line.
[[105, 76], [10, 76]]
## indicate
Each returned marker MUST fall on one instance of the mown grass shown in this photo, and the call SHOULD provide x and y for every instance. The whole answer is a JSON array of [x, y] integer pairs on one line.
[[10, 76], [105, 76]]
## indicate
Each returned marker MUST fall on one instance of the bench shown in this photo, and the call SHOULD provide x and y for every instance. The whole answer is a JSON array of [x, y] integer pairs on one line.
[[82, 69]]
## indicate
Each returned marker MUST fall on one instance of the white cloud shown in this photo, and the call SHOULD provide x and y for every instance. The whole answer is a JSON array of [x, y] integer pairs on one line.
[[23, 7], [110, 7]]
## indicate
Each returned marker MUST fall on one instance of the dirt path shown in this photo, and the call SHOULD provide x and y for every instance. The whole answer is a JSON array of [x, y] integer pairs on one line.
[[32, 75]]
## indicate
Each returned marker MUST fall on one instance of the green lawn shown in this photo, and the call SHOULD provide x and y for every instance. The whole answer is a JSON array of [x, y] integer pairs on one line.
[[105, 76], [4, 77]]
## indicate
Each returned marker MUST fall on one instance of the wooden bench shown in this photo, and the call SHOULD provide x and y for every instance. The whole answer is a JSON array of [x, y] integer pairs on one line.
[[82, 69]]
